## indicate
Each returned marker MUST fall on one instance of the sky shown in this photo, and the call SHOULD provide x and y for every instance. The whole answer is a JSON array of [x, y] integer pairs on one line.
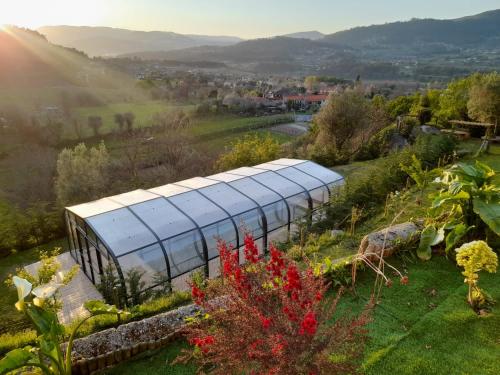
[[243, 18]]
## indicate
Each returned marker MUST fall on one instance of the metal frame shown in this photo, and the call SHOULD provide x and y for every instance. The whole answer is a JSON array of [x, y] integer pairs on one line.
[[83, 230]]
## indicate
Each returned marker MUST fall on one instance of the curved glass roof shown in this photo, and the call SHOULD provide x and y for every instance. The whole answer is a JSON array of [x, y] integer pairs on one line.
[[141, 218]]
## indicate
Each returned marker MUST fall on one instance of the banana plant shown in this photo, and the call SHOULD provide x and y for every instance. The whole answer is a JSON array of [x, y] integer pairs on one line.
[[48, 355]]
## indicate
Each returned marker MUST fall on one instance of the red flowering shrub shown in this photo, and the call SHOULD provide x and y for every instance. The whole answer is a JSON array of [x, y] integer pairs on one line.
[[268, 317]]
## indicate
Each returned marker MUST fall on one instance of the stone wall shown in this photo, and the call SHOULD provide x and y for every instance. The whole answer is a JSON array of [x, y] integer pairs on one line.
[[111, 346]]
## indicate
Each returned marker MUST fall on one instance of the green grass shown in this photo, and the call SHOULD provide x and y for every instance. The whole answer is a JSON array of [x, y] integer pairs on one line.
[[425, 327], [143, 112], [12, 320]]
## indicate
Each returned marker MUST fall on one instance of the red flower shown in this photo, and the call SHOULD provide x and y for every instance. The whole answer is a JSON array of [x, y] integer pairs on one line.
[[292, 316], [388, 283], [197, 294], [203, 343], [404, 280], [266, 322], [276, 263], [309, 324], [251, 251], [277, 349], [318, 297], [292, 280]]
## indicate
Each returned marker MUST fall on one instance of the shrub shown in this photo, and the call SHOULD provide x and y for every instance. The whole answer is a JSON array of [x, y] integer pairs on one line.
[[474, 257], [369, 192], [267, 317], [250, 150]]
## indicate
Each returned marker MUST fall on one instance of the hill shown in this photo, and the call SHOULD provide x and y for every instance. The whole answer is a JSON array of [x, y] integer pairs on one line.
[[107, 41], [479, 31], [312, 35]]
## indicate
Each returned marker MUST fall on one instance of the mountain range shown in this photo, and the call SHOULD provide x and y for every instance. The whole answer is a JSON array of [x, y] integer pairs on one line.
[[107, 41]]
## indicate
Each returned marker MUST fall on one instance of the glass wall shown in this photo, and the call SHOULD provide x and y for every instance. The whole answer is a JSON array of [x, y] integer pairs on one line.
[[170, 231]]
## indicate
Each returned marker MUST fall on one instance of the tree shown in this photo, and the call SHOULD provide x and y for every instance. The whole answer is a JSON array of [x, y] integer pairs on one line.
[[484, 99], [344, 125], [120, 121], [250, 150], [422, 110], [311, 83], [82, 174], [129, 119], [95, 123]]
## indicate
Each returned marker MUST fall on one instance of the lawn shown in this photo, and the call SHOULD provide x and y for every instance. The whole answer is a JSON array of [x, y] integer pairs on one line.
[[12, 320], [425, 327]]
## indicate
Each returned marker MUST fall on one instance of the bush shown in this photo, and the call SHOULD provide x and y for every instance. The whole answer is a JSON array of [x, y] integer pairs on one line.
[[274, 320], [369, 192]]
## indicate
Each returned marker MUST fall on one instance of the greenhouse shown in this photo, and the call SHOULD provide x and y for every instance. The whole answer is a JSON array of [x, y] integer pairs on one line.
[[170, 231]]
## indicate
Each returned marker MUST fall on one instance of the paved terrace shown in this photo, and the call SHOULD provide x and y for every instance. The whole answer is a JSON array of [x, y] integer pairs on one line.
[[73, 295]]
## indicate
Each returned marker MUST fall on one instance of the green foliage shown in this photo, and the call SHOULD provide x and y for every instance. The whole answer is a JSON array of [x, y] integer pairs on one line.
[[82, 174], [47, 355], [417, 173], [429, 237], [111, 287], [470, 191], [338, 272], [136, 286], [475, 257], [344, 125], [369, 190], [314, 244], [400, 106], [484, 99], [250, 150]]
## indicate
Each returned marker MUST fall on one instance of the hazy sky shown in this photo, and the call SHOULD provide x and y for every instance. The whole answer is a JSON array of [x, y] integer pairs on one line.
[[244, 18]]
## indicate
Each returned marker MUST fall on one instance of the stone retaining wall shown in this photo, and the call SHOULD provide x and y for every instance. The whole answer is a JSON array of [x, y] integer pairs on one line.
[[106, 348]]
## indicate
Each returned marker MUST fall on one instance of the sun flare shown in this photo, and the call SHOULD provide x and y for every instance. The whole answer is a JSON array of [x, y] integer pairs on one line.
[[33, 14]]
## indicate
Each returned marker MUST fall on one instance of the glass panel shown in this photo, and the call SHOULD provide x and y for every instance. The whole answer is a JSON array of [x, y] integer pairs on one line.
[[163, 218], [185, 252], [249, 222], [324, 174], [233, 201], [121, 230], [149, 261], [256, 191], [301, 178], [298, 206], [276, 215], [277, 236], [223, 230], [278, 183], [199, 208], [319, 196]]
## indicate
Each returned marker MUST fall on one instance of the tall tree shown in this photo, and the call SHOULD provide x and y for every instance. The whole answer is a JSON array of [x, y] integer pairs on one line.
[[120, 121], [484, 99], [129, 119], [344, 125]]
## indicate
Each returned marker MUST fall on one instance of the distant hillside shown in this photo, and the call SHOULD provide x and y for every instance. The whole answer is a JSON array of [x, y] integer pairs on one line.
[[312, 35], [34, 72], [482, 30], [257, 50], [107, 41]]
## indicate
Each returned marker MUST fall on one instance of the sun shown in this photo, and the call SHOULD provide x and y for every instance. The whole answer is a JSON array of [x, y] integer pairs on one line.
[[33, 14]]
